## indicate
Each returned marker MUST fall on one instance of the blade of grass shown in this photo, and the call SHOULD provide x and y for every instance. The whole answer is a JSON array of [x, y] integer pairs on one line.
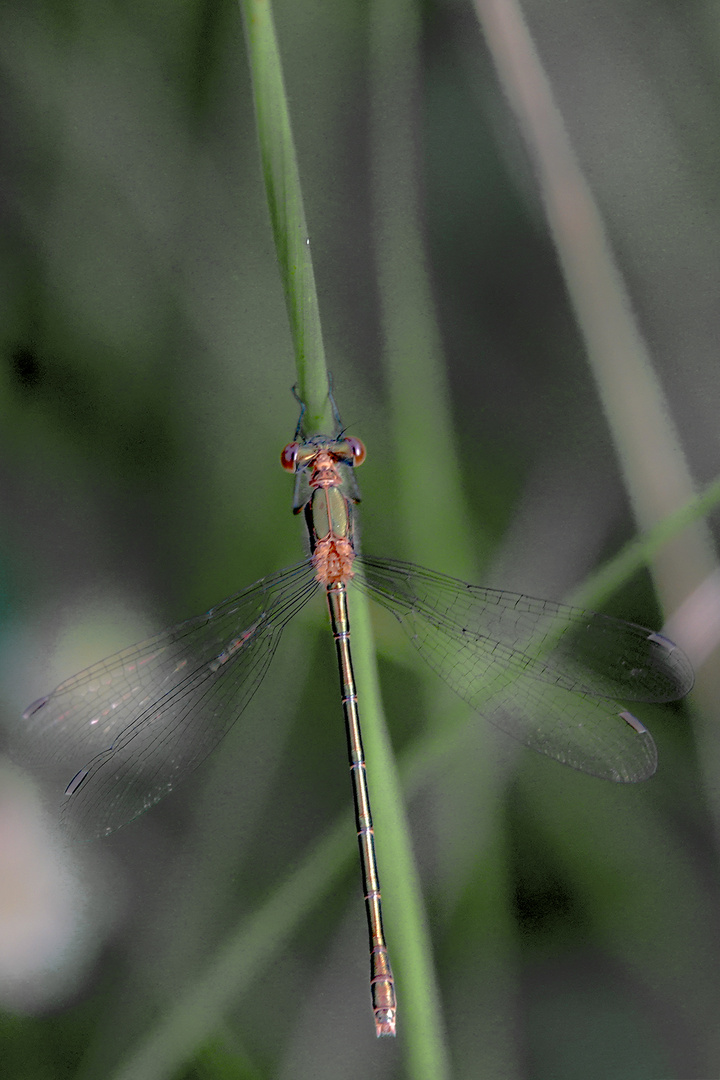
[[641, 551], [291, 239], [648, 446], [416, 375], [654, 469], [200, 1009], [287, 212], [413, 360]]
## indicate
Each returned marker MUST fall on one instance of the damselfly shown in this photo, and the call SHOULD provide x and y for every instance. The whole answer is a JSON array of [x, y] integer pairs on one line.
[[137, 723]]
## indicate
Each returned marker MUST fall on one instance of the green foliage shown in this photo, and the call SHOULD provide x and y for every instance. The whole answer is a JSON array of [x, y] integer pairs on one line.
[[145, 398]]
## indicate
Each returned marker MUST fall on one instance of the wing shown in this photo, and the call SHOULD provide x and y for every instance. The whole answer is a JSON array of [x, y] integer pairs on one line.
[[133, 726], [537, 669]]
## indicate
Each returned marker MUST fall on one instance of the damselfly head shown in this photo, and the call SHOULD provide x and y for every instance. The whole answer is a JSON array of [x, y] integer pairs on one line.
[[297, 455]]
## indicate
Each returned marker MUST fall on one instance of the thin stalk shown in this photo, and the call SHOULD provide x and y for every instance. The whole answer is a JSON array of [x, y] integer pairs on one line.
[[285, 202], [416, 375], [287, 212]]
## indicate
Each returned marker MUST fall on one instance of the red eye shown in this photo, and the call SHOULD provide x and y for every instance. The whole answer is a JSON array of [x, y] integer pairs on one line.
[[289, 456], [357, 449]]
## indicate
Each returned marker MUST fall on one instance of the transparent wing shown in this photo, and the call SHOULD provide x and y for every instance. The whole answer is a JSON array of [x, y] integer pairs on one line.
[[131, 727], [537, 669]]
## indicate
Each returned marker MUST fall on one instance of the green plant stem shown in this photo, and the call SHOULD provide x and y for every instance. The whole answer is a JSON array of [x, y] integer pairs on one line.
[[287, 212], [285, 201]]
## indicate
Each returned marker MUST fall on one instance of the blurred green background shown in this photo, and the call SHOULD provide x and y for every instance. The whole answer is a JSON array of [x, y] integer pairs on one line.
[[145, 399]]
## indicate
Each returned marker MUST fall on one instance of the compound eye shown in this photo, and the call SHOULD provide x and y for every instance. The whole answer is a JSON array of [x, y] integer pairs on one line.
[[289, 456], [357, 450]]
